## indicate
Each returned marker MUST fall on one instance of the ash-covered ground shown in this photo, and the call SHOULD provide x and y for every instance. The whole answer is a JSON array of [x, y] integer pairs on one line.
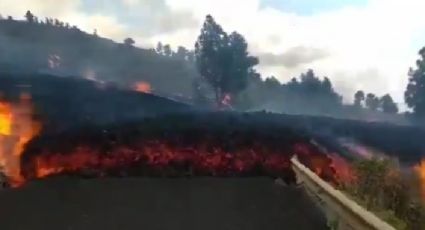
[[158, 203]]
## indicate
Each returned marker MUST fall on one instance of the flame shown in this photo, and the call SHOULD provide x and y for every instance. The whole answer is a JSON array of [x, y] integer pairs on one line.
[[5, 119], [16, 128], [143, 87], [420, 170]]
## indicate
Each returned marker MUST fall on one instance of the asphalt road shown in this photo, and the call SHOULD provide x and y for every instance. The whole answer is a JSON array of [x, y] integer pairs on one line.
[[143, 203]]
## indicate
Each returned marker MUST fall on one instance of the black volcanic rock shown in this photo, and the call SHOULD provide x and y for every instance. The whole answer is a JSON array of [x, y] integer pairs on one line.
[[64, 102]]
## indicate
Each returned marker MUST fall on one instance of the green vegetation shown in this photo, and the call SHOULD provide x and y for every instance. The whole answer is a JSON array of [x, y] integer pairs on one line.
[[382, 188], [415, 91], [223, 60]]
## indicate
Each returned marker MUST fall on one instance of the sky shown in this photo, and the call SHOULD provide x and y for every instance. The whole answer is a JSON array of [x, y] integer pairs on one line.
[[359, 44]]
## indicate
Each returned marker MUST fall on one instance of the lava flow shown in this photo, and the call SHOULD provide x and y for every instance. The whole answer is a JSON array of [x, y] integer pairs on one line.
[[16, 128], [165, 157]]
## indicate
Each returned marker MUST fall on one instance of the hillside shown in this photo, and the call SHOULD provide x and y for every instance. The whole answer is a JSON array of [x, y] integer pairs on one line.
[[61, 50], [64, 102], [53, 47]]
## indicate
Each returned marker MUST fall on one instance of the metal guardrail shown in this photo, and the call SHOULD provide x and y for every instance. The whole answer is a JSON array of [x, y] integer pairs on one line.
[[342, 212]]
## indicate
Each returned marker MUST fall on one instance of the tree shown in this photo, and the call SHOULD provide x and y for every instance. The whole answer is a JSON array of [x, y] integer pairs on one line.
[[29, 16], [310, 94], [129, 42], [372, 102], [159, 48], [182, 53], [167, 50], [271, 83], [359, 97], [207, 50], [387, 104], [239, 64], [415, 90], [223, 60]]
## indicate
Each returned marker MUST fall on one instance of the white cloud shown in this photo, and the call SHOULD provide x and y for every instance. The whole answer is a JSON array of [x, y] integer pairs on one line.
[[367, 47], [293, 57], [68, 11], [48, 8], [105, 26]]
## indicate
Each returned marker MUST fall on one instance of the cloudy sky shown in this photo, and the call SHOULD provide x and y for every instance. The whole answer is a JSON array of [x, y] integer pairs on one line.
[[359, 44]]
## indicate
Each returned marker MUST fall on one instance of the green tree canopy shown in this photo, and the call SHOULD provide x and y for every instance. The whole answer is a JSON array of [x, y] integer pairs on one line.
[[223, 60], [372, 102], [29, 16], [129, 42], [415, 91], [359, 97], [388, 105]]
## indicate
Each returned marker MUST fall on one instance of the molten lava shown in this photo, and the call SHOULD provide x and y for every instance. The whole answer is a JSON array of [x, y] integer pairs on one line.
[[159, 157], [167, 158], [16, 128], [420, 169], [143, 87]]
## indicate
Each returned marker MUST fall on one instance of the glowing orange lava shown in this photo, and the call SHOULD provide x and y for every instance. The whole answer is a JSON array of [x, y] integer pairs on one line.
[[143, 87], [16, 128], [5, 119], [420, 169], [161, 157]]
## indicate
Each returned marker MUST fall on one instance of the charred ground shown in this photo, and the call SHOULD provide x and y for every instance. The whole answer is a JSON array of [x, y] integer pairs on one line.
[[64, 102]]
